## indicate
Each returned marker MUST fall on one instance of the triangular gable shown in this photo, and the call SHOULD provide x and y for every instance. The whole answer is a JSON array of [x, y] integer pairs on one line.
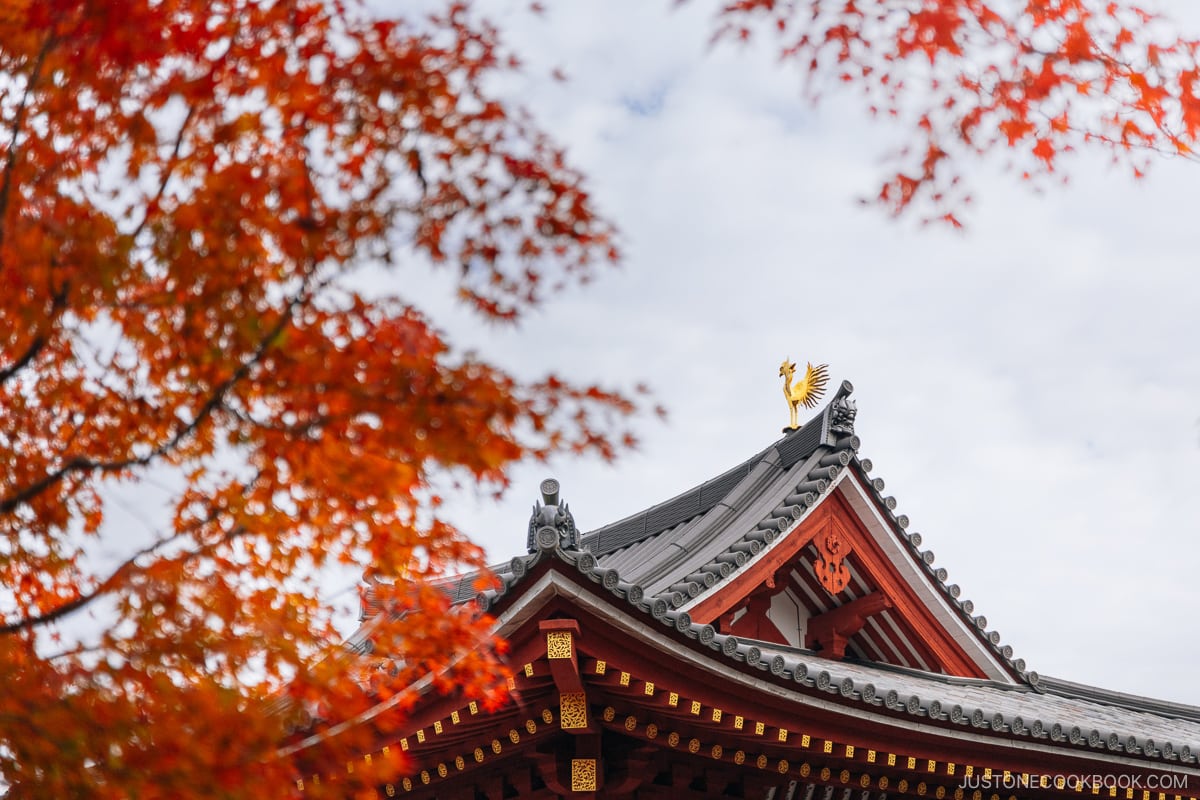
[[835, 584], [773, 548]]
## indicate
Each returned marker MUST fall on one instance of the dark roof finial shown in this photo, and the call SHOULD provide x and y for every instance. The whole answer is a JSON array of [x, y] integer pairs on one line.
[[551, 525]]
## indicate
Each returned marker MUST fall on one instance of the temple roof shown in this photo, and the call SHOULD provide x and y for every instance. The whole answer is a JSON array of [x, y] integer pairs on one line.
[[664, 613], [690, 547]]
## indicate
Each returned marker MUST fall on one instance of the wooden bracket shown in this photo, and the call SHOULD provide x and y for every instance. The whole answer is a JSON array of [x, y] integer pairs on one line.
[[830, 632]]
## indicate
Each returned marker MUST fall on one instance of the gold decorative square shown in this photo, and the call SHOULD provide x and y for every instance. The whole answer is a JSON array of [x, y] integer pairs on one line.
[[454, 717], [367, 759], [716, 715], [404, 744], [783, 734], [849, 751], [805, 740], [421, 736], [696, 707], [649, 689], [512, 684], [624, 678], [738, 722], [828, 748], [759, 729], [891, 759], [970, 770], [473, 707], [870, 756], [601, 667], [573, 715], [673, 699], [987, 772], [529, 670], [437, 726], [912, 762], [932, 766], [583, 774], [559, 645], [950, 768]]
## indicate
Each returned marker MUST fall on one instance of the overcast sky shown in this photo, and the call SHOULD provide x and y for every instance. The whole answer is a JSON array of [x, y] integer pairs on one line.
[[1028, 389]]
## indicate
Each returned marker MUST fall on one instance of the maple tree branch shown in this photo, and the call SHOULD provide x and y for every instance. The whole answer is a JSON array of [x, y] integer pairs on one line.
[[168, 171], [122, 571], [10, 161], [39, 342], [214, 402]]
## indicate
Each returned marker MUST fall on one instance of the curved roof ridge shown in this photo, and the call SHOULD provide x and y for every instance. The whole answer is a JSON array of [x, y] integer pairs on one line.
[[883, 667], [1133, 702]]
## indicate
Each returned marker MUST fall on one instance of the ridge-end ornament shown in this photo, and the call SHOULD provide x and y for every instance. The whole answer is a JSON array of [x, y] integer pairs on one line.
[[554, 518], [805, 392]]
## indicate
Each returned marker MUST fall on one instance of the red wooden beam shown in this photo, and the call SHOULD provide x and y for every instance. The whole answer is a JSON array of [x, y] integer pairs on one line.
[[831, 631]]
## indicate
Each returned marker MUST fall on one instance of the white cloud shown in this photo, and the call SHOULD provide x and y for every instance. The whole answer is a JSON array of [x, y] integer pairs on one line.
[[1030, 389]]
